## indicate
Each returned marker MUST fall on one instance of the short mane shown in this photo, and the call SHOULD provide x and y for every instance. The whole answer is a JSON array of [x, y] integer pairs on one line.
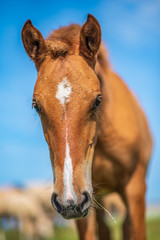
[[65, 40]]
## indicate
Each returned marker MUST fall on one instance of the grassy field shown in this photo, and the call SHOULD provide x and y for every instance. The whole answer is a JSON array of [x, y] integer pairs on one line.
[[153, 232]]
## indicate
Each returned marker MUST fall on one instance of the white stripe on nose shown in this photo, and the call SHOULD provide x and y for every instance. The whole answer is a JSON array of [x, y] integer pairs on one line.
[[63, 93], [69, 193]]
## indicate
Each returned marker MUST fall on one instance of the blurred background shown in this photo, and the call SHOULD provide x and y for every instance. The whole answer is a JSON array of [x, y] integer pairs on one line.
[[131, 33]]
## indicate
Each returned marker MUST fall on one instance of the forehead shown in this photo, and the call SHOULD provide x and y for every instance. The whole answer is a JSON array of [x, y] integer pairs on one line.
[[72, 70]]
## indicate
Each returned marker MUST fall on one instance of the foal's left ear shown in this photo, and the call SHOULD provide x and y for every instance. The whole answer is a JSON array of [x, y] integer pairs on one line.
[[90, 39], [34, 43]]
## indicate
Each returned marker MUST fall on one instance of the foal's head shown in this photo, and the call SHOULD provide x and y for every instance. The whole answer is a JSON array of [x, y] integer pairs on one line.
[[66, 96]]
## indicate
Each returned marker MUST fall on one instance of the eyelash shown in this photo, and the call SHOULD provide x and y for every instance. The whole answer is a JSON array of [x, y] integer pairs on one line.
[[97, 102], [36, 106]]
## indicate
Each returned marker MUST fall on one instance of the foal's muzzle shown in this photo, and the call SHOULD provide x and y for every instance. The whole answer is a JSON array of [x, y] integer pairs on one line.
[[72, 210]]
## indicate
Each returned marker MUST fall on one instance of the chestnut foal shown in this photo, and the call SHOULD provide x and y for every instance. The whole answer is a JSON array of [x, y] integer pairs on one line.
[[95, 129]]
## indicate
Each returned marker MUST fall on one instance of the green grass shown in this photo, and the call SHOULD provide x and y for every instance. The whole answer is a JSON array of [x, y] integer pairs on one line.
[[153, 232], [65, 234], [153, 228]]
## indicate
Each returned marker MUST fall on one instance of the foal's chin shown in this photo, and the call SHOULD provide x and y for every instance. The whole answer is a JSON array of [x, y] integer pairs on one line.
[[74, 215]]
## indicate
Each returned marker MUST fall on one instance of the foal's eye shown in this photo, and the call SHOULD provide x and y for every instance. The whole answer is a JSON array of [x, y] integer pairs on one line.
[[97, 102], [36, 106]]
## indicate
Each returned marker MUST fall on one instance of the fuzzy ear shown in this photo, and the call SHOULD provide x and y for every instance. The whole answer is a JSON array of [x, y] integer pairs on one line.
[[34, 43], [90, 39]]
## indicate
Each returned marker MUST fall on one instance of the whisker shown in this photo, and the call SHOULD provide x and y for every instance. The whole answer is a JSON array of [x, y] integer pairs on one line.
[[98, 185], [95, 206], [105, 210], [100, 115], [104, 119], [96, 113]]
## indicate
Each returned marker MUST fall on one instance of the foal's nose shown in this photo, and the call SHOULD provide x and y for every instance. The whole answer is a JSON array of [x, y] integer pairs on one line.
[[71, 209]]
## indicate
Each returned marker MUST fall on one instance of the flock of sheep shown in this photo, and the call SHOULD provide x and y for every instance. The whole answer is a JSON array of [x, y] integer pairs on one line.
[[31, 210]]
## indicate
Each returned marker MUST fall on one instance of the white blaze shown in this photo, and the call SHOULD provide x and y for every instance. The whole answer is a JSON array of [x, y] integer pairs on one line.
[[69, 193], [63, 93]]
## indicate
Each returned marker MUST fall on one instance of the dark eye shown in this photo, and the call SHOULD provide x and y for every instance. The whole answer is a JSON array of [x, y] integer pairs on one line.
[[36, 106], [97, 102]]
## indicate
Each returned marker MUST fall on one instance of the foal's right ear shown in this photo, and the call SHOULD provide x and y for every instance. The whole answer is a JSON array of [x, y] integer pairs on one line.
[[34, 43]]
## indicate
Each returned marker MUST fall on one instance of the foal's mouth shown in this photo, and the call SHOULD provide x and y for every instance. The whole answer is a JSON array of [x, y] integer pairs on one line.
[[74, 213]]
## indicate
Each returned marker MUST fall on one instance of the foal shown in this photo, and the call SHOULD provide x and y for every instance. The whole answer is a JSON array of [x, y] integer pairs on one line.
[[94, 127]]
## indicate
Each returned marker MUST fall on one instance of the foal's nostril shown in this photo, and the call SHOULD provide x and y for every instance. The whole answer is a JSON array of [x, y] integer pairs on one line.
[[55, 203], [86, 201]]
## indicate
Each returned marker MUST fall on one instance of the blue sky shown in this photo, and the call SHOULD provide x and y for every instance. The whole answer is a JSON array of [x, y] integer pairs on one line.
[[131, 33]]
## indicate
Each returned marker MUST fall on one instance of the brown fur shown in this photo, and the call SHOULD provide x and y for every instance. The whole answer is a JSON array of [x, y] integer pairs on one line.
[[124, 142]]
